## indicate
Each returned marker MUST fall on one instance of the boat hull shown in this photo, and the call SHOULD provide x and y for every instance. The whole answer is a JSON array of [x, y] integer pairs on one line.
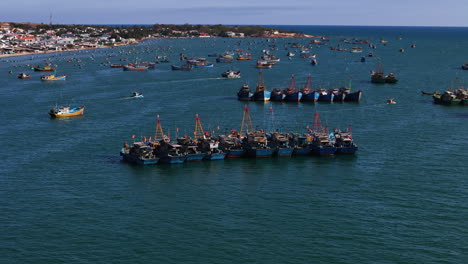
[[293, 97], [262, 96], [322, 151], [346, 150], [284, 152], [260, 153], [195, 157], [135, 160], [215, 156], [328, 98], [79, 112], [172, 159], [353, 97], [235, 153], [299, 151]]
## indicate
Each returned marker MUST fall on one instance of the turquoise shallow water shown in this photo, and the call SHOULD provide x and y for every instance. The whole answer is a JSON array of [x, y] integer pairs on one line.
[[67, 197]]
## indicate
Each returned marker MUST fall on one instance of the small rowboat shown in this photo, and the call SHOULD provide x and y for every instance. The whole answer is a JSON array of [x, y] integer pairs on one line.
[[131, 67], [66, 111], [53, 78]]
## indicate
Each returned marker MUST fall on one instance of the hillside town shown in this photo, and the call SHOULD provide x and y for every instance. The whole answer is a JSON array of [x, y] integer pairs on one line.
[[27, 38]]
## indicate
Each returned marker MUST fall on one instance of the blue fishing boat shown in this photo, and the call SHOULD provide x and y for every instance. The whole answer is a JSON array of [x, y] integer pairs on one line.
[[321, 144], [140, 153], [210, 147], [190, 149], [302, 145], [344, 142], [338, 95], [282, 144], [291, 93], [325, 96], [277, 95], [169, 152], [261, 92], [353, 97], [232, 145], [308, 95], [244, 93], [256, 145]]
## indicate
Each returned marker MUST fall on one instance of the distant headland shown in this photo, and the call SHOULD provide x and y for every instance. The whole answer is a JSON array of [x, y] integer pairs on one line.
[[32, 38]]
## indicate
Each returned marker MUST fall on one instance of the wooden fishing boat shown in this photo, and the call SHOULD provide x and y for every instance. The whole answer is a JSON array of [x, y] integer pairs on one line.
[[53, 78], [465, 66], [66, 111], [308, 95], [185, 67], [169, 153], [256, 145], [378, 75], [43, 69], [344, 142], [232, 145], [132, 67], [281, 143], [321, 144], [277, 95], [390, 78], [23, 76]]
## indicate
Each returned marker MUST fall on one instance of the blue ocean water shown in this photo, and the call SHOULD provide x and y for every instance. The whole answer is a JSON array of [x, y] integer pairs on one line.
[[68, 198]]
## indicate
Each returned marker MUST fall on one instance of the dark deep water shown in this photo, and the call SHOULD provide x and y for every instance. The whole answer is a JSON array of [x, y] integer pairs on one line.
[[67, 198]]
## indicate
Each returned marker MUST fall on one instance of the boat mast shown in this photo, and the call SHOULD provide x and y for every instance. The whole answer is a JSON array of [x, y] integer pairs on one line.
[[198, 133], [158, 134], [272, 120], [261, 82], [308, 83], [317, 127], [246, 122], [292, 84]]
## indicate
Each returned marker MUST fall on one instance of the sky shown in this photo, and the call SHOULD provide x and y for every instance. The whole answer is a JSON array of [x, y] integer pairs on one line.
[[241, 12]]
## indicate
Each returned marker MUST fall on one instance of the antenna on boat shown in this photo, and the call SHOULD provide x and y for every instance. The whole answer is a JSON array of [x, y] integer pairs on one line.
[[272, 120], [198, 133], [246, 122], [158, 134]]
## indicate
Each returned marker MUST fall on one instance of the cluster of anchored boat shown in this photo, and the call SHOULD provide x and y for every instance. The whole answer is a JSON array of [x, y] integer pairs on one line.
[[256, 144], [292, 94]]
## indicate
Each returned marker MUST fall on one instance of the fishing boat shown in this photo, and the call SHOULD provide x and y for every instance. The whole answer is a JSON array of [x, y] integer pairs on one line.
[[53, 78], [314, 62], [190, 149], [66, 111], [230, 74], [352, 97], [291, 93], [132, 67], [321, 144], [206, 143], [302, 144], [141, 153], [356, 50], [185, 67], [277, 95], [390, 78], [256, 145], [247, 56], [169, 152], [378, 75], [391, 101], [224, 59], [23, 75], [261, 92], [465, 66], [290, 54], [264, 64], [232, 145], [137, 95], [244, 93], [344, 142], [338, 95], [45, 68], [282, 144], [325, 96], [116, 65], [308, 95]]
